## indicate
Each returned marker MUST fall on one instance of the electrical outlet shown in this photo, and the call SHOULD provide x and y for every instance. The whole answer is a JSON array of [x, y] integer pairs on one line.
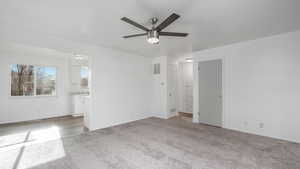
[[245, 123], [261, 125]]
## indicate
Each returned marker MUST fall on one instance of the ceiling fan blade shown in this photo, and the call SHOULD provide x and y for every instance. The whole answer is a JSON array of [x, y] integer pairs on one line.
[[167, 22], [173, 34], [134, 23], [131, 36]]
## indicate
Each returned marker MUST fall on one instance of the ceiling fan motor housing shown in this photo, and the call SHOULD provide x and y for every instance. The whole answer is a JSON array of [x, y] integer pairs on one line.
[[153, 21]]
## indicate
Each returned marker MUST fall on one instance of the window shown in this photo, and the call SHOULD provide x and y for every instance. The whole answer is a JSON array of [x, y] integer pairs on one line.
[[84, 77], [29, 80], [22, 80], [45, 80]]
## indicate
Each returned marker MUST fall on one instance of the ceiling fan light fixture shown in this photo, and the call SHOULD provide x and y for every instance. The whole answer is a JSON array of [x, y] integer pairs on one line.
[[153, 37], [189, 60], [156, 31]]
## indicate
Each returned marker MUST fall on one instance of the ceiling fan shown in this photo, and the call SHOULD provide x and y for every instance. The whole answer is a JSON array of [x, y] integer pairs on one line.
[[156, 31]]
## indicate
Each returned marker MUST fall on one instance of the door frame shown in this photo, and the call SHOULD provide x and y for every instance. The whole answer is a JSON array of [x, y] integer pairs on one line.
[[181, 87], [197, 60]]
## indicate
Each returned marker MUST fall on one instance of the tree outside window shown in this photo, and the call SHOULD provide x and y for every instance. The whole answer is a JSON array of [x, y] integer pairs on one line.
[[29, 80], [84, 77]]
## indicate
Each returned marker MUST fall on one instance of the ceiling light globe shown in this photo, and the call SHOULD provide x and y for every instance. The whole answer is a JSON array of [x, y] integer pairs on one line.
[[153, 37]]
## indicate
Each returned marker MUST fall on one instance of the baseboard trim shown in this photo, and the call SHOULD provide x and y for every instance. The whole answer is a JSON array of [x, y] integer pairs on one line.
[[38, 119], [117, 123], [264, 135]]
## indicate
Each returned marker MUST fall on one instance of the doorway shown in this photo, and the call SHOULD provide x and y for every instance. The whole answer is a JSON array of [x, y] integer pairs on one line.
[[187, 70], [210, 92], [185, 90], [80, 86]]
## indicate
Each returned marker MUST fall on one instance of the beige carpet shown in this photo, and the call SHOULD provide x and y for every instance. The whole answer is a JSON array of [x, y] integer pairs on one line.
[[154, 144]]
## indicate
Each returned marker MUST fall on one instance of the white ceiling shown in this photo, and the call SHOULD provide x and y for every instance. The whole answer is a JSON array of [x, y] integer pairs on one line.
[[210, 23]]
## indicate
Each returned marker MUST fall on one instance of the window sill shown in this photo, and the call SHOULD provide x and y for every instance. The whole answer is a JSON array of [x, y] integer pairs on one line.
[[32, 97]]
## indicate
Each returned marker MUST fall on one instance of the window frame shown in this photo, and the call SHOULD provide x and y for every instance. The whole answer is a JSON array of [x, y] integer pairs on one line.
[[88, 72], [35, 81]]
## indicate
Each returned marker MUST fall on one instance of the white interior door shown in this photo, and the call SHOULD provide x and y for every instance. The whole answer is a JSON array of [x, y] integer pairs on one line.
[[210, 92], [187, 70]]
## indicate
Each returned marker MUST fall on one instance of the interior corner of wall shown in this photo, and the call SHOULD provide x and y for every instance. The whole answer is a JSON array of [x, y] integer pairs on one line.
[[161, 115]]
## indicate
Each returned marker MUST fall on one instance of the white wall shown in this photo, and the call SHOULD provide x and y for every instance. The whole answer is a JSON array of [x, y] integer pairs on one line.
[[160, 106], [261, 85], [157, 105], [121, 87], [14, 109], [172, 94]]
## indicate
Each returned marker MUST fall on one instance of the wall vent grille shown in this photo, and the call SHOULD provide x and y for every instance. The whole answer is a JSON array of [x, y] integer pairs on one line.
[[156, 69]]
